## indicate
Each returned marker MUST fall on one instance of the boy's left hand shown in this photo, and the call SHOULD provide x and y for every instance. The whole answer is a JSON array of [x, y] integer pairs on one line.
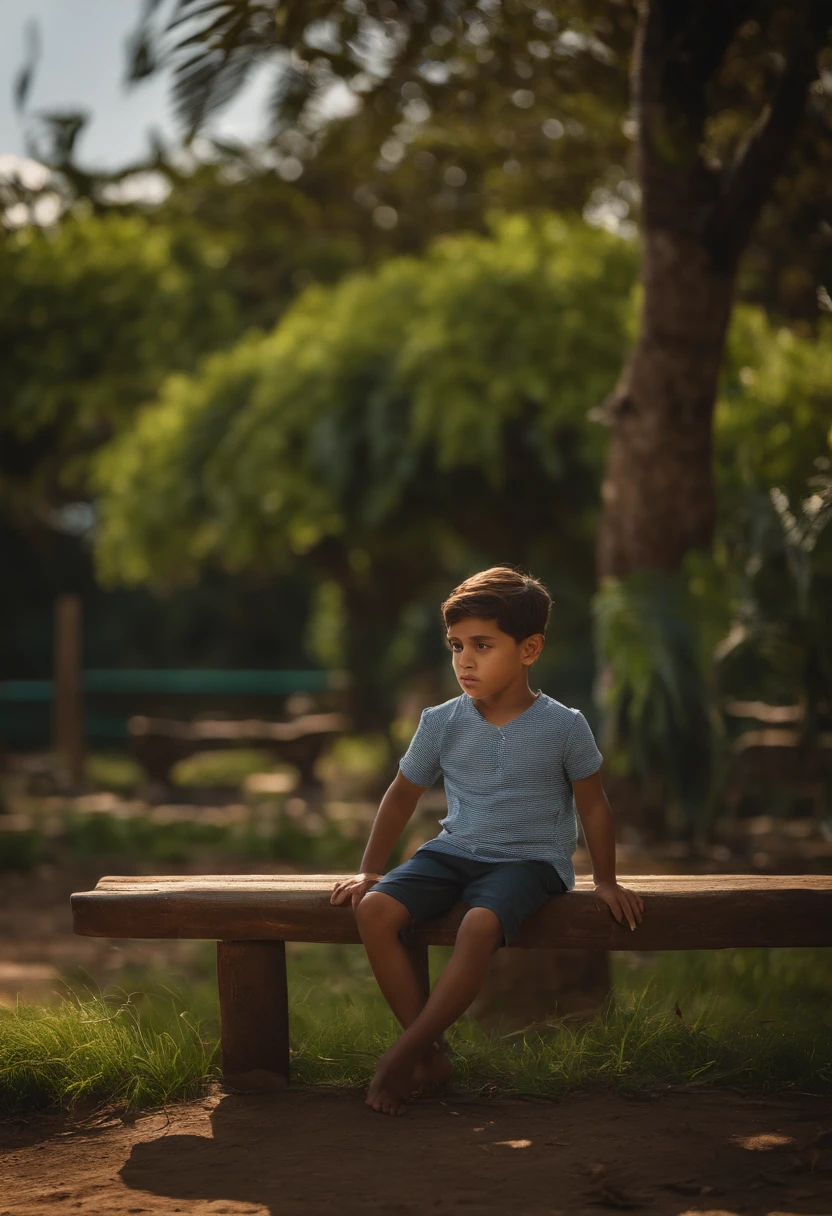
[[622, 902]]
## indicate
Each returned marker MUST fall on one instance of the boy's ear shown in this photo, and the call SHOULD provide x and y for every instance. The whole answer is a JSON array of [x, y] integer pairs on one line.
[[532, 647]]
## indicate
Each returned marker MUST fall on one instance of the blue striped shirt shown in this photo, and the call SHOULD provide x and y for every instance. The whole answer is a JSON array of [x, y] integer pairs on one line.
[[508, 787]]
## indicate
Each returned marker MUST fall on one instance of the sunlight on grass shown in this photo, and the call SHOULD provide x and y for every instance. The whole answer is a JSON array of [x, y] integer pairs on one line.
[[221, 767], [753, 1019], [101, 1050]]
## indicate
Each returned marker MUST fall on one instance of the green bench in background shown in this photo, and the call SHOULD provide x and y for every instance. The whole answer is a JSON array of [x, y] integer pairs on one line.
[[161, 703]]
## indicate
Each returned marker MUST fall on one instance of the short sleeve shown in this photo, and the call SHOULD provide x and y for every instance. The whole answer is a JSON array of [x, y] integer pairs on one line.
[[420, 763], [581, 757]]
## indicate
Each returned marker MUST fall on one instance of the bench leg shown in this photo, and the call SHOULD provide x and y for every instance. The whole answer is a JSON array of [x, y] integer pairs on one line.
[[254, 1012]]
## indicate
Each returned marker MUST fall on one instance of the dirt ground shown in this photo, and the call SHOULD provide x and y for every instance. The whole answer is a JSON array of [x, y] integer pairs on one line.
[[682, 1153]]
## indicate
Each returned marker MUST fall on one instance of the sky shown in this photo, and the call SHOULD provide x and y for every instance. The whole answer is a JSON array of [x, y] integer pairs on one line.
[[82, 66]]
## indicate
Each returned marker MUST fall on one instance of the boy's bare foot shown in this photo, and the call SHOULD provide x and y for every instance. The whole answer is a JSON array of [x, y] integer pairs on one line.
[[393, 1079], [433, 1069]]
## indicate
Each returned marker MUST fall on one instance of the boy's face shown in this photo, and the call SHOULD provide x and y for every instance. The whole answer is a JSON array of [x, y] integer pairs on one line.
[[486, 660]]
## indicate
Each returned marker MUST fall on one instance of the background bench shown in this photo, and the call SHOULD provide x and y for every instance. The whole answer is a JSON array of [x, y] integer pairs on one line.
[[151, 711], [160, 743], [252, 917]]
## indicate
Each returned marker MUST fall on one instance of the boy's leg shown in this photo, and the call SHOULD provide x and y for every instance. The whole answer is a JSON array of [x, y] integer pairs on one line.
[[381, 918], [401, 973], [500, 898], [422, 888], [479, 935]]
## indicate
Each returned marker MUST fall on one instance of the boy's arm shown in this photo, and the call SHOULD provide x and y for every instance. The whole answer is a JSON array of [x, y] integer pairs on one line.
[[596, 821], [395, 809]]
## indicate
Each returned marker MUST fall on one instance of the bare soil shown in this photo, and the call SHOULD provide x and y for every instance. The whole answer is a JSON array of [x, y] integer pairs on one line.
[[685, 1153]]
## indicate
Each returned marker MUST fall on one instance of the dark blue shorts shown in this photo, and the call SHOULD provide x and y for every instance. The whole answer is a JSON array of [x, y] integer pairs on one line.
[[431, 882]]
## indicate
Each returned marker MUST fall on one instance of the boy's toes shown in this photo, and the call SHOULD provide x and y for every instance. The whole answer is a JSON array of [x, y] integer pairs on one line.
[[391, 1082], [385, 1102]]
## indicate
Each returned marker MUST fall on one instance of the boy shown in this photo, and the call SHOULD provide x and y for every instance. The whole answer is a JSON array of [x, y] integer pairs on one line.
[[513, 761]]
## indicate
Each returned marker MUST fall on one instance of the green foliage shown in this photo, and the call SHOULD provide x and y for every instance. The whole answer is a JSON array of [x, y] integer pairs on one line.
[[391, 431], [778, 646], [511, 105], [656, 693], [229, 767], [94, 312], [774, 410], [182, 835], [773, 551], [113, 771], [173, 841], [357, 756], [328, 427]]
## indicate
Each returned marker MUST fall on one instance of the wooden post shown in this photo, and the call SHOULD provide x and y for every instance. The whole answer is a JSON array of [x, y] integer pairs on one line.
[[254, 1012], [526, 987], [68, 699]]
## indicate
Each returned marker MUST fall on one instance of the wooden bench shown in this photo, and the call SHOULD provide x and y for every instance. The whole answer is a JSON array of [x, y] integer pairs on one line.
[[252, 917], [160, 743]]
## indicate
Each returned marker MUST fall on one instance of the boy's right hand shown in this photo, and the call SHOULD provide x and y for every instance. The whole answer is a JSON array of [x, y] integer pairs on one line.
[[353, 889]]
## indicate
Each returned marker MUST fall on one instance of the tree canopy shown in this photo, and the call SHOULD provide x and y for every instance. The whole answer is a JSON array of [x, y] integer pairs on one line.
[[513, 105], [328, 426], [93, 314]]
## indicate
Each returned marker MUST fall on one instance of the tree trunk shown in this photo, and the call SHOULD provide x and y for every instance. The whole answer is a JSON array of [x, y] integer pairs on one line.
[[658, 499]]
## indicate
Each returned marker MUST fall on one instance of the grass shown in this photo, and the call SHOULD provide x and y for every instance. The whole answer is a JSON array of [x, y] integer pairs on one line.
[[749, 1018], [192, 836], [225, 768], [100, 1050]]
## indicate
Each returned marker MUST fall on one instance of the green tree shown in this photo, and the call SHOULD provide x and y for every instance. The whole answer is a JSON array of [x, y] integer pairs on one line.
[[93, 314], [389, 431]]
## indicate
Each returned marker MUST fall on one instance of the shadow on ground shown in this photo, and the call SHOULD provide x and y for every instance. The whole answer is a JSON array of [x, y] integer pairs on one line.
[[312, 1152]]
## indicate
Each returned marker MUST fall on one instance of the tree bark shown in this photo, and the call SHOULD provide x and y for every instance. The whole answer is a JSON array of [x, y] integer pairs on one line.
[[658, 498]]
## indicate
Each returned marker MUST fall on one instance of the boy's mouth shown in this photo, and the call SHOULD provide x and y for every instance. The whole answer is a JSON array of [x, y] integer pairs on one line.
[[468, 679]]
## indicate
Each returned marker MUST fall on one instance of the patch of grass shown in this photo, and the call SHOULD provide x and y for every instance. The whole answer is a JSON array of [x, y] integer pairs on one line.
[[771, 984], [355, 763], [154, 1039], [633, 1047], [770, 1032], [221, 767], [180, 837], [101, 1049], [113, 771], [139, 836]]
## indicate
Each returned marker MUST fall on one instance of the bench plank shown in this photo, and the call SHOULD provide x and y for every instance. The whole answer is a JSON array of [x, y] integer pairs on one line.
[[682, 912]]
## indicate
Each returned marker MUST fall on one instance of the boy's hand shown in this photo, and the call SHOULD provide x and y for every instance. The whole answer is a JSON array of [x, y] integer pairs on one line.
[[353, 889], [622, 902]]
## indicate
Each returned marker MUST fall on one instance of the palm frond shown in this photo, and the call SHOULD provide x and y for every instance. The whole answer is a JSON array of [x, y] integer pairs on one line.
[[657, 703]]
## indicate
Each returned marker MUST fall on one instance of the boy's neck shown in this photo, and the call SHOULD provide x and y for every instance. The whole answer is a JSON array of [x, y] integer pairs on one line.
[[500, 707]]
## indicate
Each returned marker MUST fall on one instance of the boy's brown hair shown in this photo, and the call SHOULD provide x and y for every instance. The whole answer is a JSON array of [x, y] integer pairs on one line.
[[518, 603]]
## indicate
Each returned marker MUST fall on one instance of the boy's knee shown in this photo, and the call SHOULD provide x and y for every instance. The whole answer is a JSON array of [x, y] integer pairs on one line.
[[482, 926], [380, 911]]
